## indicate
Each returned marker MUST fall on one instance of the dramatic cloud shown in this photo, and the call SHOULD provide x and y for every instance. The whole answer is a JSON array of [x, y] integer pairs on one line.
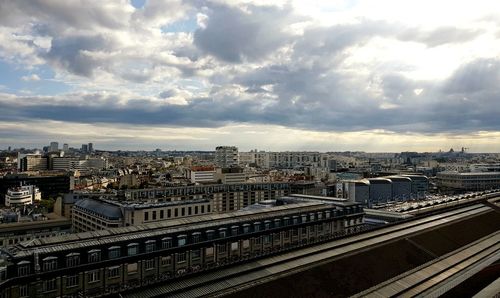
[[339, 70]]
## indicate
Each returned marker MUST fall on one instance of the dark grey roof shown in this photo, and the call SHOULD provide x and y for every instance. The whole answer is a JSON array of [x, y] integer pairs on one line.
[[101, 208]]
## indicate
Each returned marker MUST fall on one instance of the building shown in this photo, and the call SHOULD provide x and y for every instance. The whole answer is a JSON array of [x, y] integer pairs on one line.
[[357, 191], [91, 147], [49, 185], [22, 195], [200, 174], [85, 148], [13, 233], [380, 190], [419, 184], [65, 147], [100, 214], [468, 181], [230, 175], [54, 147], [384, 189], [110, 261], [31, 162], [73, 163], [226, 156], [479, 168], [401, 188]]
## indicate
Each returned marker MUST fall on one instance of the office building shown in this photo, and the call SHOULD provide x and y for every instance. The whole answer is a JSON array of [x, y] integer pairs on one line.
[[65, 147], [226, 156], [230, 175], [22, 195], [100, 214], [91, 147], [200, 174], [49, 185], [111, 261], [31, 162], [468, 181], [54, 147], [85, 148]]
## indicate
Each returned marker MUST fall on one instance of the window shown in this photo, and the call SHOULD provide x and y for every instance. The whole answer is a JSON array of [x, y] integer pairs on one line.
[[176, 212], [295, 220], [146, 216], [114, 252], [72, 280], [169, 213], [149, 264], [195, 209], [202, 209], [196, 237], [209, 251], [23, 291], [277, 223], [132, 249], [222, 232], [256, 226], [132, 268], [234, 246], [320, 215], [246, 243], [72, 259], [267, 239], [181, 257], [210, 234], [49, 263], [166, 242], [93, 276], [23, 268], [304, 218], [286, 221], [181, 240], [189, 210], [208, 208], [221, 248], [162, 214], [154, 215], [183, 211], [195, 254], [234, 230], [327, 214], [166, 261], [311, 216], [114, 272], [150, 245], [267, 224], [94, 256], [49, 285]]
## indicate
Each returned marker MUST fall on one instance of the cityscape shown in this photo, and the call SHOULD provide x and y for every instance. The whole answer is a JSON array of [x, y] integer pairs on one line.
[[248, 148]]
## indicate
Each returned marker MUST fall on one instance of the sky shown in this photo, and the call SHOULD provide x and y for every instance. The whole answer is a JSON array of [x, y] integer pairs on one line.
[[335, 75]]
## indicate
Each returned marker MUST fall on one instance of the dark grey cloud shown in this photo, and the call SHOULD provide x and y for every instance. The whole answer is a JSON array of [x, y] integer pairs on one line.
[[72, 53], [234, 35], [59, 15], [335, 102]]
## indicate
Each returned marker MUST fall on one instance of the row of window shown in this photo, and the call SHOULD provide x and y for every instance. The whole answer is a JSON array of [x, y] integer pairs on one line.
[[113, 252], [182, 211]]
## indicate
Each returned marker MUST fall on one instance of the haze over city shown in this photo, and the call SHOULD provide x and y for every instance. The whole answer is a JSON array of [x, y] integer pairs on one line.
[[285, 75]]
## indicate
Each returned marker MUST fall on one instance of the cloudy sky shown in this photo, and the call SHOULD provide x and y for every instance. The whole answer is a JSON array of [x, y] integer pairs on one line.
[[385, 75]]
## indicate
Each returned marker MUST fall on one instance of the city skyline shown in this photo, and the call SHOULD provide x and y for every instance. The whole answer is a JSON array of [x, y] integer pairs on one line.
[[288, 75]]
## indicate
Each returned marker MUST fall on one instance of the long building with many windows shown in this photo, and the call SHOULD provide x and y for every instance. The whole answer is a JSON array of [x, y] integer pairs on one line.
[[114, 260]]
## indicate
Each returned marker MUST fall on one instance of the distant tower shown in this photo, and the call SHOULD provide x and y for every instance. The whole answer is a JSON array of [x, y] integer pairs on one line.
[[53, 147], [85, 148], [91, 147], [65, 147]]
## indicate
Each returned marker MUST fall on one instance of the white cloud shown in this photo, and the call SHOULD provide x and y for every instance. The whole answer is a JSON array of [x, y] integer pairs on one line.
[[32, 77]]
